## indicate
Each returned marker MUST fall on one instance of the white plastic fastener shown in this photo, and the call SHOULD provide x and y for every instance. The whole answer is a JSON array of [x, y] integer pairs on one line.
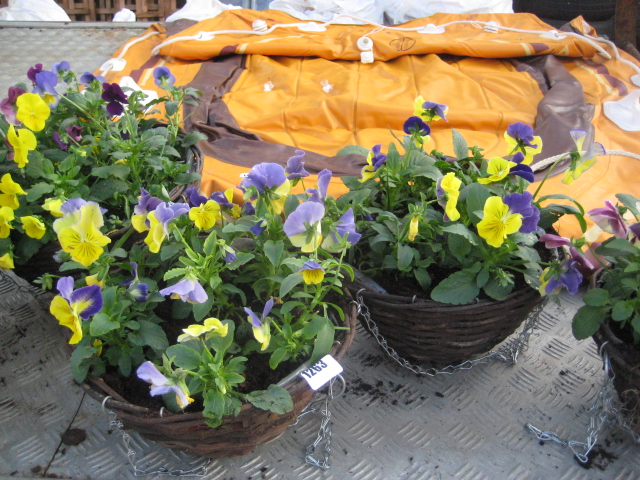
[[259, 26], [431, 29], [553, 34], [113, 65], [365, 44], [312, 27], [625, 113], [492, 27], [204, 36], [366, 57]]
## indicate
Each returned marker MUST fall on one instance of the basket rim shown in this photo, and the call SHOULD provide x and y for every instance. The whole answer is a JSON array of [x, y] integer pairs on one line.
[[109, 398]]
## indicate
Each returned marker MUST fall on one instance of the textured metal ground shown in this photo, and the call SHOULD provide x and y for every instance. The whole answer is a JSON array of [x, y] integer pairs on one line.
[[389, 424]]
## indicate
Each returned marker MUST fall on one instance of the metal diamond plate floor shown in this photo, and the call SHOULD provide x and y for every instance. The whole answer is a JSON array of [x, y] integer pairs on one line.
[[389, 424]]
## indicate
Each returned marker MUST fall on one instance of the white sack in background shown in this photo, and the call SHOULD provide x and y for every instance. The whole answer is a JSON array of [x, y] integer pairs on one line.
[[34, 11], [199, 10], [124, 15], [404, 10], [325, 10]]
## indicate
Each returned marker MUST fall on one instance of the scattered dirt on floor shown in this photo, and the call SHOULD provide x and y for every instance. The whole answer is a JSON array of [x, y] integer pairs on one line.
[[598, 458], [73, 436]]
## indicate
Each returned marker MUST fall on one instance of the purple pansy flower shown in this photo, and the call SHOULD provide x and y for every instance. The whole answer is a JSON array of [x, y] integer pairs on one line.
[[74, 204], [89, 298], [344, 226], [163, 76], [569, 277], [88, 77], [319, 194], [115, 96], [295, 166], [248, 208], [31, 74], [146, 203], [56, 138], [522, 133], [188, 290], [258, 228], [229, 254], [221, 199], [139, 290], [160, 384], [264, 175], [635, 232], [255, 321], [609, 219], [8, 105], [302, 226], [521, 203], [436, 109], [554, 241], [46, 87], [521, 170], [416, 125], [61, 67], [195, 199], [74, 132], [165, 212]]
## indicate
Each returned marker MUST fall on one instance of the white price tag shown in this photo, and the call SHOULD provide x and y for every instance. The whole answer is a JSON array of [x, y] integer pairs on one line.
[[323, 371]]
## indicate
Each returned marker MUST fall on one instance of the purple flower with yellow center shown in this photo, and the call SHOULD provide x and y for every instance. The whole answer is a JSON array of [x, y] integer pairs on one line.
[[138, 290], [159, 220], [312, 272], [88, 77], [61, 68], [261, 330], [113, 94], [303, 227], [46, 87], [146, 204], [609, 219], [162, 76], [567, 276], [375, 160], [161, 385], [429, 111], [195, 199], [8, 105], [520, 169], [447, 193], [33, 71], [581, 161], [320, 194], [225, 199], [498, 222], [71, 306], [264, 175], [344, 226], [295, 166], [188, 290], [520, 137], [415, 125], [521, 203]]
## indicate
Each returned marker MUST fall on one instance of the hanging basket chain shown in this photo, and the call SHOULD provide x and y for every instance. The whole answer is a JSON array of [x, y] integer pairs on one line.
[[604, 412], [508, 353]]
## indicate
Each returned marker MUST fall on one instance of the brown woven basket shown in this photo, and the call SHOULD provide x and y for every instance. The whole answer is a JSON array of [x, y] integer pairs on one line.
[[237, 435], [43, 261], [625, 363], [427, 331]]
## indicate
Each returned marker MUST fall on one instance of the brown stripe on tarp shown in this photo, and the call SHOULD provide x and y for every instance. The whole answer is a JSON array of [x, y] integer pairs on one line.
[[562, 109], [229, 143], [613, 81], [534, 66], [539, 47]]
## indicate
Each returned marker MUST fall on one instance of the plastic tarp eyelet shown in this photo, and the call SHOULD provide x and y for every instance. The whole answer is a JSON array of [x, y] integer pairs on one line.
[[113, 65], [625, 113], [365, 44], [492, 27], [553, 34], [312, 27], [431, 29], [204, 36], [259, 26], [366, 57]]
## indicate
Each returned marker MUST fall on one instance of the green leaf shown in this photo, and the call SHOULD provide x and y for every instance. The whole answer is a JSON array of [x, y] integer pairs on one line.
[[616, 247], [635, 323], [476, 196], [275, 399], [276, 357], [214, 407], [586, 321], [171, 107], [631, 202], [596, 297], [117, 170], [460, 229], [192, 138], [173, 273], [221, 344], [38, 190], [210, 243], [107, 188], [168, 250], [458, 289], [423, 278], [496, 290], [180, 309], [149, 334], [201, 310], [460, 147], [124, 364], [273, 251], [79, 367], [185, 357], [405, 257], [289, 282], [101, 324], [622, 310], [187, 177], [324, 341], [290, 204], [353, 150]]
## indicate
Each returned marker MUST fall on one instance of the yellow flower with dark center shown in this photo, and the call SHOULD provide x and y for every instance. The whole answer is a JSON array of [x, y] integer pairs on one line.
[[6, 262], [205, 215], [22, 141], [498, 222], [67, 317], [83, 241], [156, 234], [33, 227], [497, 169], [312, 272], [32, 111], [6, 216]]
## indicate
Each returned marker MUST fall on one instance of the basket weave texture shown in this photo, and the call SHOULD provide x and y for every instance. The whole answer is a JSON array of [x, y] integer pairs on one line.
[[625, 363], [44, 262], [237, 435], [427, 331]]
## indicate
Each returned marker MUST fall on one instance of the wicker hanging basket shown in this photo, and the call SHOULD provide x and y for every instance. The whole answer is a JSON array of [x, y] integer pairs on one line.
[[427, 331], [237, 435], [44, 261], [625, 363]]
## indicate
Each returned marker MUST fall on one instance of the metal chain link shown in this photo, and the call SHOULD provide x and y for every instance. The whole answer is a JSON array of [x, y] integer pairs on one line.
[[603, 412], [114, 421], [508, 353], [324, 433]]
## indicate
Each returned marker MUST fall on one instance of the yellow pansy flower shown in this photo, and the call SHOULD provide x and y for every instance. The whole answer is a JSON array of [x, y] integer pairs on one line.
[[497, 169], [6, 216], [413, 229], [83, 241], [32, 111], [53, 206], [450, 189], [22, 141], [205, 215], [498, 222], [67, 317], [33, 227], [212, 327], [6, 262]]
